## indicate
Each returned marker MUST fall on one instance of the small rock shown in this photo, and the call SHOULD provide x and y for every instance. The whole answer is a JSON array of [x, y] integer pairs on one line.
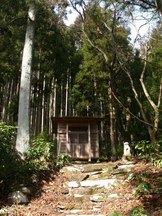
[[131, 177], [72, 212], [126, 166], [78, 195], [17, 197], [61, 207], [73, 184], [91, 169], [113, 196], [119, 172], [85, 215], [78, 177], [70, 169], [97, 198], [26, 190], [64, 190], [96, 208]]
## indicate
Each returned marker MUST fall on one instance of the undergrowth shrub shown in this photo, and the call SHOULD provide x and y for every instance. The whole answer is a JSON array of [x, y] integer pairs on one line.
[[42, 152], [145, 149], [143, 188], [63, 159], [13, 170], [157, 162], [7, 153], [149, 152], [10, 162], [138, 211]]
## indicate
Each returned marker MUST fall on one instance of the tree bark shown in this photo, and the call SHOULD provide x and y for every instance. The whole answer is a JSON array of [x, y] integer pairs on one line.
[[22, 141], [112, 124], [67, 95], [159, 5], [155, 107]]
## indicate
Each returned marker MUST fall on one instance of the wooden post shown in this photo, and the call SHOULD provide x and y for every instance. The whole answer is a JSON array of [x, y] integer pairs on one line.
[[67, 138], [89, 141], [58, 142]]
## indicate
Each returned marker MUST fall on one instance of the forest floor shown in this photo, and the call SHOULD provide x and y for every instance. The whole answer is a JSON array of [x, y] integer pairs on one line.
[[98, 189]]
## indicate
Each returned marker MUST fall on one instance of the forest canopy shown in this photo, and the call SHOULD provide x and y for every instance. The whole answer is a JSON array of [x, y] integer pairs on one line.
[[88, 68]]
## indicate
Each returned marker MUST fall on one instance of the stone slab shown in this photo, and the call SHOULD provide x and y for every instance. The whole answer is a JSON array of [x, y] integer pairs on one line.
[[73, 184], [99, 183]]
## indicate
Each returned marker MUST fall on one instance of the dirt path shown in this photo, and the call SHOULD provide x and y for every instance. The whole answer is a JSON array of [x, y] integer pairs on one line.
[[100, 189]]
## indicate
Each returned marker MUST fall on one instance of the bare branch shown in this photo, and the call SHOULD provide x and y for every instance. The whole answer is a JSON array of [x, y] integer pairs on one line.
[[160, 95], [159, 5], [127, 109], [93, 45], [153, 105]]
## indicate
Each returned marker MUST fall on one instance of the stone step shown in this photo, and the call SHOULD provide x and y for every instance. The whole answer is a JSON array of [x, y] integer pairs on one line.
[[85, 215], [87, 190], [99, 183], [106, 183], [76, 212]]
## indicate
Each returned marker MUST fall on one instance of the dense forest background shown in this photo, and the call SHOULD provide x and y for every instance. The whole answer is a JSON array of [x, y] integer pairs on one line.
[[90, 68]]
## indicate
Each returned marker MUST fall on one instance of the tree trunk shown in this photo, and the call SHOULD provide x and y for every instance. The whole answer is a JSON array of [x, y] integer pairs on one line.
[[43, 104], [159, 5], [61, 103], [112, 125], [67, 94], [155, 107], [22, 141]]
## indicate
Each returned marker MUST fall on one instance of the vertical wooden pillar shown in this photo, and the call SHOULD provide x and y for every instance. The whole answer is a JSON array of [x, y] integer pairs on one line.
[[58, 141], [67, 138], [89, 141]]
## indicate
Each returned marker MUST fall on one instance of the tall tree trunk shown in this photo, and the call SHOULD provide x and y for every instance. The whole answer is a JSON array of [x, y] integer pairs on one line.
[[67, 95], [53, 97], [22, 141], [112, 124], [96, 107], [5, 102], [39, 90], [43, 105], [159, 5], [156, 107], [61, 103]]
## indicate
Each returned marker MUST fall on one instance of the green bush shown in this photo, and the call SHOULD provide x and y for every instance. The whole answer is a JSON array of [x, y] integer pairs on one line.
[[63, 159], [10, 162], [137, 211], [7, 134], [157, 162], [143, 188], [150, 152], [7, 149], [41, 154], [13, 170], [145, 149]]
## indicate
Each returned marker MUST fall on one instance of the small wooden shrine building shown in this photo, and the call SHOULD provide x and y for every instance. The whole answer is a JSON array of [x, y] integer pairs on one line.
[[77, 136]]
